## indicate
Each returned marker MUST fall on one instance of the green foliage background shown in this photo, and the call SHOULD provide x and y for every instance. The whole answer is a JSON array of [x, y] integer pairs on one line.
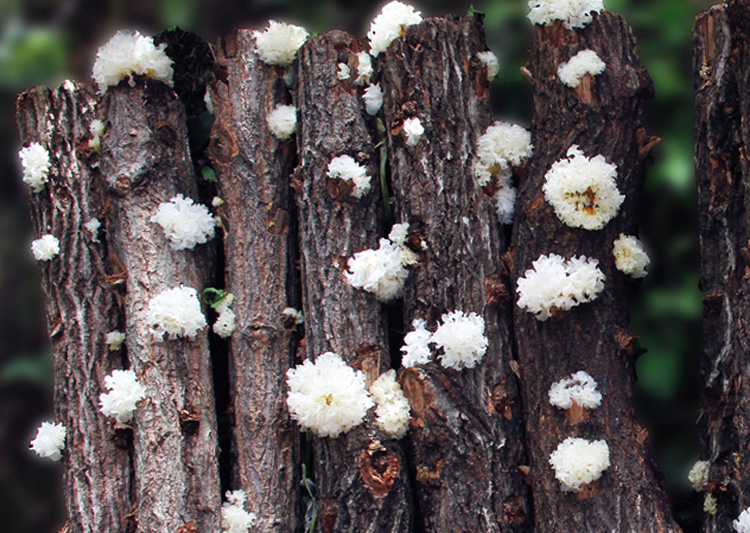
[[45, 41]]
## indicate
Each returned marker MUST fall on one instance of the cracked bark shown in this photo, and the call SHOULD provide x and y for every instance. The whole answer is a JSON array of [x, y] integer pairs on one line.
[[466, 430], [722, 105], [361, 476], [602, 116], [81, 308], [145, 161], [253, 170]]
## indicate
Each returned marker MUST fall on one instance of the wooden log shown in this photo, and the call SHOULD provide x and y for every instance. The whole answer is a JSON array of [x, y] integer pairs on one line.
[[602, 116], [82, 307], [253, 170], [361, 476], [145, 161], [466, 429]]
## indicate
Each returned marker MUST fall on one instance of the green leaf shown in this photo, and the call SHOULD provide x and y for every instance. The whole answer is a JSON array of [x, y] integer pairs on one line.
[[208, 174]]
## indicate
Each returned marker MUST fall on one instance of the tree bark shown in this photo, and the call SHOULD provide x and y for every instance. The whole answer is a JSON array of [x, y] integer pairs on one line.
[[253, 170], [722, 106], [81, 307], [361, 476], [602, 116], [466, 429], [145, 162]]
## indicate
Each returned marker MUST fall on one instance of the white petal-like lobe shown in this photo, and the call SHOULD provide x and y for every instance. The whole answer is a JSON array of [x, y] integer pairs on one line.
[[583, 63], [392, 408], [461, 337], [282, 121]]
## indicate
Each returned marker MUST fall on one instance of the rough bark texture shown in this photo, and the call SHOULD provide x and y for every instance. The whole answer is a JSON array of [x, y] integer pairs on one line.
[[722, 108], [81, 307], [145, 162], [466, 428], [253, 170], [361, 476], [602, 116]]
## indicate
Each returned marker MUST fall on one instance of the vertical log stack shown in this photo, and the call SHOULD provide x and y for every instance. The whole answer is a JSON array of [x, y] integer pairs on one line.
[[466, 429], [253, 170], [602, 116], [722, 108], [362, 476], [81, 307]]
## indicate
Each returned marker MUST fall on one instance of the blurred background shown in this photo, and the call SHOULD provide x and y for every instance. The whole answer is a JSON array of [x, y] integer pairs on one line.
[[43, 42]]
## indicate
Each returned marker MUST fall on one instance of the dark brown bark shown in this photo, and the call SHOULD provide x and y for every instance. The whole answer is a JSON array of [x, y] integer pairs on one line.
[[361, 476], [81, 307], [602, 116], [722, 108], [253, 170], [466, 427], [145, 161]]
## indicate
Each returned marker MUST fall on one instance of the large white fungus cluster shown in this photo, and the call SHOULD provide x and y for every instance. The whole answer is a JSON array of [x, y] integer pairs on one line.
[[176, 312], [416, 349], [45, 248], [282, 121], [578, 462], [392, 408], [698, 475], [630, 256], [582, 190], [380, 272], [328, 396], [124, 394], [554, 284], [344, 167], [114, 340], [389, 24], [49, 441], [461, 338], [373, 97], [413, 130], [364, 69], [580, 389], [742, 523], [129, 54], [583, 63], [490, 62], [185, 223], [501, 146], [573, 13], [226, 321], [278, 44], [234, 518], [36, 165]]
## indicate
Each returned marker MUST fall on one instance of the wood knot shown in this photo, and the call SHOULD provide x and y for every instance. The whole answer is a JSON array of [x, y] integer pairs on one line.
[[122, 184], [378, 469], [223, 145]]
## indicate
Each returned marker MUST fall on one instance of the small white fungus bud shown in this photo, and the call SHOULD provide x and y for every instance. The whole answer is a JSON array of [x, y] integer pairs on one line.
[[124, 394], [278, 44], [392, 409], [416, 347], [45, 248], [282, 121], [297, 315], [36, 164], [92, 226], [343, 72], [630, 256], [96, 129], [579, 389], [710, 504], [50, 441], [413, 130], [583, 63], [698, 475], [389, 25], [490, 62], [364, 69], [373, 97], [226, 321], [114, 340], [578, 462], [346, 168], [217, 202], [505, 203]]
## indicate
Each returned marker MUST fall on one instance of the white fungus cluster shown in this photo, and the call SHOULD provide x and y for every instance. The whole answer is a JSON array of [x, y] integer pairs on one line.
[[185, 223], [278, 44], [398, 235], [49, 441], [501, 146], [710, 504], [389, 24], [577, 462], [364, 69], [505, 203], [392, 408], [583, 63], [129, 54], [296, 314], [226, 321], [698, 475], [176, 312], [380, 272], [328, 396], [413, 130], [234, 518], [490, 62], [630, 256], [583, 191], [282, 121], [343, 72], [96, 129], [742, 523], [45, 248], [416, 349], [373, 97], [124, 394], [114, 340], [461, 338], [554, 284], [344, 167], [580, 389], [36, 164], [92, 226], [573, 13]]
